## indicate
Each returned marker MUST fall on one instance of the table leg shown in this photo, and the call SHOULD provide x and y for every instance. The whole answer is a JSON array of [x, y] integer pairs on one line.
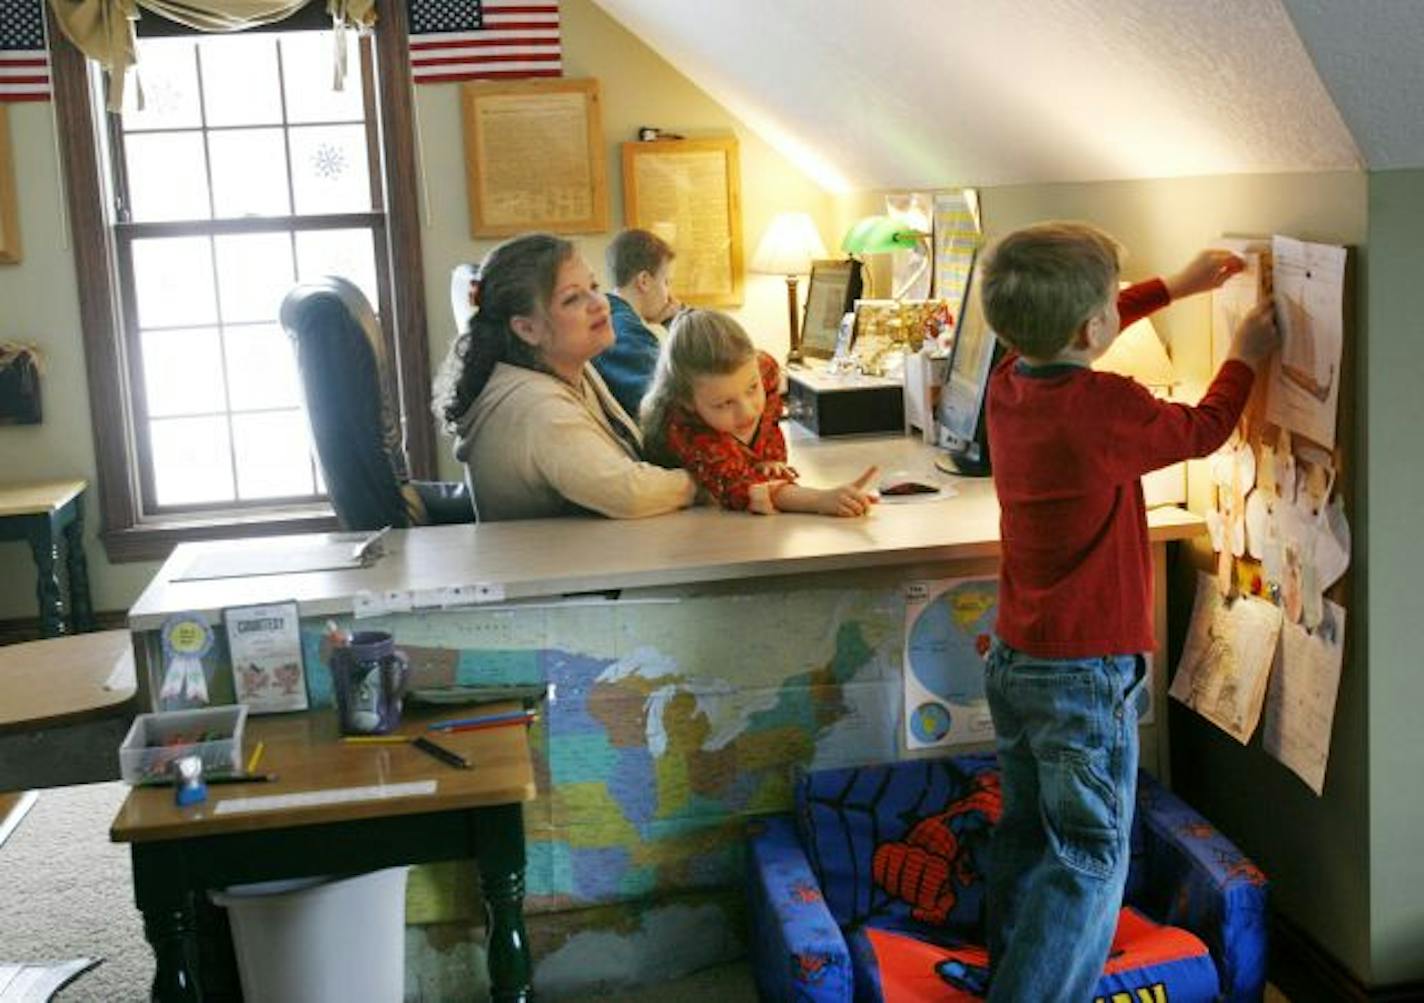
[[81, 606], [499, 833], [170, 924], [45, 548]]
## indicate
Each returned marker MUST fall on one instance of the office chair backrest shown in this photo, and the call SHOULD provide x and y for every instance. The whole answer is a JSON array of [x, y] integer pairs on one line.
[[347, 389]]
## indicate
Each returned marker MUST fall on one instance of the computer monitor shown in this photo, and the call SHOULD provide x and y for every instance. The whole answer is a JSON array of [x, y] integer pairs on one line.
[[960, 415], [834, 288]]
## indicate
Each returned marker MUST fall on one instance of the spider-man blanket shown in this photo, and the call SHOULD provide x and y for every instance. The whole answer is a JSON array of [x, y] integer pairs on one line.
[[1148, 964]]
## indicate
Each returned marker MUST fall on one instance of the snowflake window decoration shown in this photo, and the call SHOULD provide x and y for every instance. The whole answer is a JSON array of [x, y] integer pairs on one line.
[[329, 162]]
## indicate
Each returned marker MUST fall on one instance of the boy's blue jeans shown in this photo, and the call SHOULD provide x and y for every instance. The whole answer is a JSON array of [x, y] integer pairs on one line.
[[1067, 743]]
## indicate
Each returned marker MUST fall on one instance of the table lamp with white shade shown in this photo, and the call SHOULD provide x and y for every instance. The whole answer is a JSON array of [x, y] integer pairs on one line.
[[789, 245]]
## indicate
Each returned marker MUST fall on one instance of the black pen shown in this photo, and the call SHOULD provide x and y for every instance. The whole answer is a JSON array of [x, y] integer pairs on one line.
[[440, 752], [216, 778]]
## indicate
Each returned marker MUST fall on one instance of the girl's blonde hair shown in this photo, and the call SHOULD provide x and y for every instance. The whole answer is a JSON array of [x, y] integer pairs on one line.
[[701, 343]]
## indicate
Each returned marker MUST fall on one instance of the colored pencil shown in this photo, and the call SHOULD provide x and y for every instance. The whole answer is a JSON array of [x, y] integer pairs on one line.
[[524, 719], [441, 753], [375, 739], [465, 722], [216, 778], [256, 757]]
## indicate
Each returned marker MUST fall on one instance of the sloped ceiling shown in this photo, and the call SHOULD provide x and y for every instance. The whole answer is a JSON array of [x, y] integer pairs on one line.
[[901, 94]]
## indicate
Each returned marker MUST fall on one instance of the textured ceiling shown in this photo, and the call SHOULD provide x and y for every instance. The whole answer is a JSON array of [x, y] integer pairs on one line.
[[928, 93]]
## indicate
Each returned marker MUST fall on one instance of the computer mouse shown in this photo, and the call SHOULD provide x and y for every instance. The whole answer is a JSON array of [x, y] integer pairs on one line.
[[908, 487]]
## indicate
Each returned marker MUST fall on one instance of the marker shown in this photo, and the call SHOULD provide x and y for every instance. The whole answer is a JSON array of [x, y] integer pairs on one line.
[[441, 753], [524, 714]]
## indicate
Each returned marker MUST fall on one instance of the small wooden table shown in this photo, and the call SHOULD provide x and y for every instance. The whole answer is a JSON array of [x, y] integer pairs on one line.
[[42, 514], [65, 704], [181, 853]]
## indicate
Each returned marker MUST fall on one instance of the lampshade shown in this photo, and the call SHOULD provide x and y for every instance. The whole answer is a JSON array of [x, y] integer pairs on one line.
[[788, 246], [1138, 352], [878, 235]]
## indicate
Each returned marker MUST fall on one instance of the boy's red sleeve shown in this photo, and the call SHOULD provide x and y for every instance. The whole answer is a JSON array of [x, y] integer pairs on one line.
[[1144, 433], [716, 462], [1137, 301]]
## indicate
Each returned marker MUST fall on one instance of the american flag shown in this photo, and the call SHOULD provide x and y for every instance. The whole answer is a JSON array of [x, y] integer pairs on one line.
[[24, 61], [484, 40]]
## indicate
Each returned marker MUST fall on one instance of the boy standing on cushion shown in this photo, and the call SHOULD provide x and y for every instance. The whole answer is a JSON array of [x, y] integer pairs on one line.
[[1075, 589]]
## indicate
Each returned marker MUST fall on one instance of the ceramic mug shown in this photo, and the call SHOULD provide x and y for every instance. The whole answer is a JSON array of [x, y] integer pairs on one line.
[[369, 676]]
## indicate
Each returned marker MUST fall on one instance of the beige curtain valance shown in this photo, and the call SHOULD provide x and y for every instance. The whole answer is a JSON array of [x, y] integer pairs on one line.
[[104, 29]]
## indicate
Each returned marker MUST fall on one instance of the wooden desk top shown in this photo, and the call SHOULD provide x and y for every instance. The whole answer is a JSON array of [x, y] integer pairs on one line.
[[62, 680], [37, 499], [550, 557], [304, 750]]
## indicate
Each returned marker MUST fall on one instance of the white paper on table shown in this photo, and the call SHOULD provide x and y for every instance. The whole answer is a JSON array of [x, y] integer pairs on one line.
[[1300, 707], [1227, 659], [1304, 383]]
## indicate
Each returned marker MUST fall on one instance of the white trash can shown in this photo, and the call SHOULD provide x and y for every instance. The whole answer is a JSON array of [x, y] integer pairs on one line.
[[319, 940]]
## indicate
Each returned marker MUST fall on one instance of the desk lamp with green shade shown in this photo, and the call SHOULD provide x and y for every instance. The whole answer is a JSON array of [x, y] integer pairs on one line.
[[789, 245], [884, 234]]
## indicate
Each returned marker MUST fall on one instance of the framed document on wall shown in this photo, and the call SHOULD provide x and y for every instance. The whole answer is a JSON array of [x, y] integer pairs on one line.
[[534, 156], [689, 192], [9, 208]]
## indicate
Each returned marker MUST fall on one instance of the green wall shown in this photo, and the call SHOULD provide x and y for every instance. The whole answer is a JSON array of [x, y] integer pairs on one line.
[[1391, 548]]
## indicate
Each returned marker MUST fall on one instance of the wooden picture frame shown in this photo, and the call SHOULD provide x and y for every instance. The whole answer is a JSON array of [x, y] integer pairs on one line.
[[689, 192], [534, 156], [9, 207]]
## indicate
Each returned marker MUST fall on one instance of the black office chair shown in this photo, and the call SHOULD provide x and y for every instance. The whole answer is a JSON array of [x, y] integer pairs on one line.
[[355, 426]]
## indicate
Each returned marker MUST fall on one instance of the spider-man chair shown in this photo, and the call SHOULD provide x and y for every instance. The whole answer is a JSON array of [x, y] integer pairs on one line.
[[346, 386], [873, 891]]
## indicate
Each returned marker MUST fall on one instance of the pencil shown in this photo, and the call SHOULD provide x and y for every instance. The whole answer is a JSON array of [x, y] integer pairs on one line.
[[523, 714], [441, 753], [256, 757], [216, 778], [504, 722], [375, 739]]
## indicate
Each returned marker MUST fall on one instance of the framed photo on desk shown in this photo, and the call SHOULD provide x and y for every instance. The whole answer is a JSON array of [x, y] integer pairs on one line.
[[834, 288]]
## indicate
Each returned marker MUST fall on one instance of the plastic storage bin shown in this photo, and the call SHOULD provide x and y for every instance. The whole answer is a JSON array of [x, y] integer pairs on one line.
[[320, 940], [145, 753]]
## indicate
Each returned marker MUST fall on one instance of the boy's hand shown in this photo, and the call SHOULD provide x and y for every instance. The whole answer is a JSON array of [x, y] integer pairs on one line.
[[1207, 271], [1256, 336], [850, 500]]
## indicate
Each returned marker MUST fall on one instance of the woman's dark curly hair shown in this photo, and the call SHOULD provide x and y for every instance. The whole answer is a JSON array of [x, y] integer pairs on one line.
[[516, 279]]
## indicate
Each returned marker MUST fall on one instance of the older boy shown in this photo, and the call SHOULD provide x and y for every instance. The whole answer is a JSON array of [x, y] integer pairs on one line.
[[1075, 588], [640, 266]]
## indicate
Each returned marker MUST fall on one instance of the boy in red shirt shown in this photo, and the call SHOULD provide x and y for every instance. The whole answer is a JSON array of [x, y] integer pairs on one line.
[[1075, 586]]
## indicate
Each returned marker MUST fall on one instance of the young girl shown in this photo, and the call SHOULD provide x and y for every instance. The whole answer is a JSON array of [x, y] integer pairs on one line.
[[713, 408]]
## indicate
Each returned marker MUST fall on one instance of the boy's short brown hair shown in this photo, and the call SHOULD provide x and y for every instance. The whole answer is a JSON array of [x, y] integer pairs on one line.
[[1041, 283], [634, 251]]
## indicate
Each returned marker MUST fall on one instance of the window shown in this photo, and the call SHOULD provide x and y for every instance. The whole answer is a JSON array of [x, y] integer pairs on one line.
[[243, 174]]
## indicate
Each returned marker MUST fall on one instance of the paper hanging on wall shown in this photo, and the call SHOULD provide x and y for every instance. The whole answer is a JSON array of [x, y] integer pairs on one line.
[[1300, 706], [1226, 661], [1233, 300], [1304, 383]]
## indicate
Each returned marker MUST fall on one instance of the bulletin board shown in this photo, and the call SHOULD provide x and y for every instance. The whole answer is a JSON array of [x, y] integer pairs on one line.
[[534, 156], [1270, 632], [9, 208], [689, 193]]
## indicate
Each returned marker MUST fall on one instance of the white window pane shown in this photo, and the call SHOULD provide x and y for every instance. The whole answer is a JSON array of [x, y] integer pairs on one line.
[[183, 371], [254, 273], [167, 73], [273, 453], [307, 71], [347, 253], [168, 176], [173, 278], [240, 85], [192, 460], [330, 171], [249, 173], [261, 368]]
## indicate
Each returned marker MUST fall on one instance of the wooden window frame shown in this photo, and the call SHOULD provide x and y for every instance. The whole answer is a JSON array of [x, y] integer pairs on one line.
[[126, 532]]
